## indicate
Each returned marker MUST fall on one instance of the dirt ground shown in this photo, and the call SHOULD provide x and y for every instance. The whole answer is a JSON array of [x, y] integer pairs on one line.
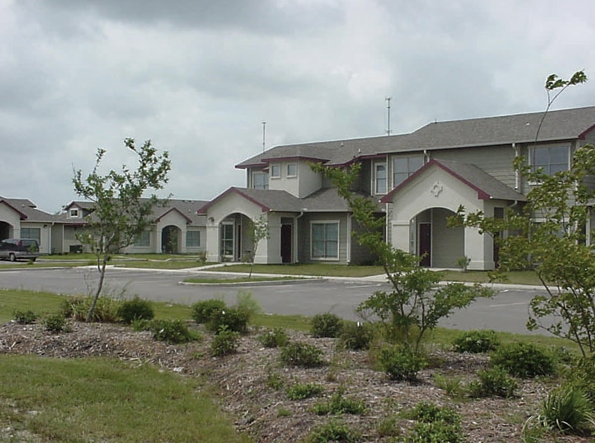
[[247, 393]]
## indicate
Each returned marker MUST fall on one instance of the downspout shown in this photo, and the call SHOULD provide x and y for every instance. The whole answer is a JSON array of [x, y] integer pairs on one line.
[[517, 176], [348, 239], [295, 236]]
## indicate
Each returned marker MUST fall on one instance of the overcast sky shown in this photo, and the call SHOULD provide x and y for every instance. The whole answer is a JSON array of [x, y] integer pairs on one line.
[[198, 78]]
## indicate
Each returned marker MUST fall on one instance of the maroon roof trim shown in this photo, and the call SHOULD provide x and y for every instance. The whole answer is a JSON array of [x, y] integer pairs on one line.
[[481, 194], [188, 219], [233, 189], [583, 134], [266, 161]]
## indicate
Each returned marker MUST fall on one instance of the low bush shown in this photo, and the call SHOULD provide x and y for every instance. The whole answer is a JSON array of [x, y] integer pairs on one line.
[[452, 386], [326, 325], [225, 342], [338, 404], [333, 431], [135, 309], [24, 317], [232, 319], [171, 331], [56, 323], [274, 338], [435, 424], [77, 307], [301, 354], [356, 336], [567, 409], [524, 360], [302, 391], [476, 342], [493, 382], [203, 310], [401, 363]]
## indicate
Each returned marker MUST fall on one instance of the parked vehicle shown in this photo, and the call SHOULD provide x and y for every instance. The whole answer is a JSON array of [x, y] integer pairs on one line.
[[14, 249]]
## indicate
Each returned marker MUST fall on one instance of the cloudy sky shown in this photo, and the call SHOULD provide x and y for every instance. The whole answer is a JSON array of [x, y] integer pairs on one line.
[[198, 78]]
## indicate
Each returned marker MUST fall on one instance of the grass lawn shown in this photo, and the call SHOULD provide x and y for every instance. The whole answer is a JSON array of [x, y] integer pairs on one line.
[[314, 269], [113, 402]]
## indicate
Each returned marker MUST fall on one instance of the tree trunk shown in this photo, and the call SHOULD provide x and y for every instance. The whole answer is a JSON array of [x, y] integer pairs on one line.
[[101, 269]]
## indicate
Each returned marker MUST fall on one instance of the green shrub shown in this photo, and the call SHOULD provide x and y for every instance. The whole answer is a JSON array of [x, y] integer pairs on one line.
[[25, 317], [56, 323], [326, 325], [493, 382], [333, 431], [435, 424], [567, 409], [301, 354], [245, 303], [77, 307], [274, 338], [302, 391], [171, 331], [274, 381], [135, 309], [401, 363], [476, 342], [338, 404], [225, 342], [582, 375], [452, 386], [203, 310], [232, 319], [524, 360], [388, 427], [356, 336]]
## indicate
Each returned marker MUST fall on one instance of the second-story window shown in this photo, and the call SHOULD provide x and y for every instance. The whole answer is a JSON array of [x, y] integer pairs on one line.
[[404, 167], [275, 171], [291, 170], [260, 180], [380, 178], [74, 213], [550, 159]]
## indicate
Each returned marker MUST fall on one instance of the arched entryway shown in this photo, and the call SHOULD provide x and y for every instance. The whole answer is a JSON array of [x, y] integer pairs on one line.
[[439, 245], [5, 230], [235, 243], [171, 240]]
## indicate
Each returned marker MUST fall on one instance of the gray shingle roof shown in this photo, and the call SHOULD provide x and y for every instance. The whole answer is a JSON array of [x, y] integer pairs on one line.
[[564, 124], [486, 185], [29, 210]]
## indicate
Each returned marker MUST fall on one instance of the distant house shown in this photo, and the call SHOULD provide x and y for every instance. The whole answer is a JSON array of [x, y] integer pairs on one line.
[[177, 228], [20, 218], [418, 179]]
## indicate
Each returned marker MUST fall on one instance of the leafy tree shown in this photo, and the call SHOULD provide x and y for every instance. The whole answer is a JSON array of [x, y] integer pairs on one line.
[[549, 235], [120, 212], [416, 303], [258, 230]]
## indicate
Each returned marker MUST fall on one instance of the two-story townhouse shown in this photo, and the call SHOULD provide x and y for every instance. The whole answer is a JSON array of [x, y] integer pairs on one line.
[[419, 180], [177, 228]]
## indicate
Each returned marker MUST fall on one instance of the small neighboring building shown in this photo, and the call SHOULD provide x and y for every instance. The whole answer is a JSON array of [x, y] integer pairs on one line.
[[177, 228], [20, 218]]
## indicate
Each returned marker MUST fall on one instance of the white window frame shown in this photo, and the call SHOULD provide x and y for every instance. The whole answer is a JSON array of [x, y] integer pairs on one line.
[[144, 239], [325, 257], [547, 171], [223, 239], [265, 180], [37, 235], [377, 190], [295, 172], [275, 171], [188, 237], [410, 171], [73, 213]]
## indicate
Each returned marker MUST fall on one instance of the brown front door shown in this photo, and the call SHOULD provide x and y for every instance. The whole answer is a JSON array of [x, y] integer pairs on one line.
[[286, 241], [424, 241]]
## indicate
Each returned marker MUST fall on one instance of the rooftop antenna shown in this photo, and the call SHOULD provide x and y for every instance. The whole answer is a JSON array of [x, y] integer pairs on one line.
[[264, 124], [388, 99]]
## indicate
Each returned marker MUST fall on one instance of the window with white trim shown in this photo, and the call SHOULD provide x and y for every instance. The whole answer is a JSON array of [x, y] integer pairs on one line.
[[405, 167], [34, 233], [260, 180], [325, 240], [380, 178], [550, 159], [275, 171], [144, 239], [74, 212], [227, 239], [291, 170], [192, 239]]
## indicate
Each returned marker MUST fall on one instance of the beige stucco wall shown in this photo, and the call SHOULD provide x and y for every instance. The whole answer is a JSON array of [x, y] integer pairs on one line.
[[435, 188], [303, 184]]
